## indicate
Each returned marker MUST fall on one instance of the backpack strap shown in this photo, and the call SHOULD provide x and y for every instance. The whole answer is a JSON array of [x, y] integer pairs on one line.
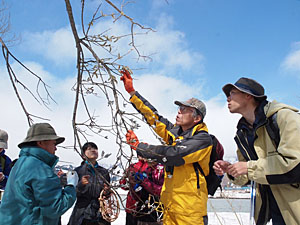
[[273, 129], [213, 154], [212, 180], [198, 168], [197, 173], [244, 147]]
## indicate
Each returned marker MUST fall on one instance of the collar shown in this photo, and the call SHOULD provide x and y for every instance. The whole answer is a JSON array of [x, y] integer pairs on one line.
[[40, 154], [190, 132], [96, 165], [2, 153], [91, 168], [260, 118]]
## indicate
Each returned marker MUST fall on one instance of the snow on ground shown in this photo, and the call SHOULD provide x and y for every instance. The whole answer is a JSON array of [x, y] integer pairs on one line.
[[214, 218], [220, 218]]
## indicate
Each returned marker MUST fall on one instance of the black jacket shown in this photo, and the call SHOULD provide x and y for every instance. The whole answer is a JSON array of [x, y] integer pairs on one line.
[[87, 204]]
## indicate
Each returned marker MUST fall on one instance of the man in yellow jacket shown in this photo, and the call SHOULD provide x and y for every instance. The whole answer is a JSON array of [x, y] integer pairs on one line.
[[273, 163], [184, 192]]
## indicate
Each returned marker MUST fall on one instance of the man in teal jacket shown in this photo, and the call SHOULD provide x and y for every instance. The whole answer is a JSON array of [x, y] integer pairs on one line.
[[33, 193]]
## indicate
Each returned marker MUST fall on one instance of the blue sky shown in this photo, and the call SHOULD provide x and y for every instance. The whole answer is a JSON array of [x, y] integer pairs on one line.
[[200, 45]]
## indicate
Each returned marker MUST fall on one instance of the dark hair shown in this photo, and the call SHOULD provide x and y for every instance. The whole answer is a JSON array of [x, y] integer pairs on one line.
[[30, 144], [88, 144], [259, 100]]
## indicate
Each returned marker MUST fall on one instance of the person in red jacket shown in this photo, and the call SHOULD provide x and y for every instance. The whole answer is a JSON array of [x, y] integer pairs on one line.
[[144, 181]]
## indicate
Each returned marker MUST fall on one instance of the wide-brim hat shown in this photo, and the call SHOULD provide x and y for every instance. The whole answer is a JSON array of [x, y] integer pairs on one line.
[[194, 103], [41, 132], [3, 139], [248, 86]]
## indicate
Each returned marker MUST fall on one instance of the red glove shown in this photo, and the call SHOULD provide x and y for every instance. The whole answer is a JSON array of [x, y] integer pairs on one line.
[[132, 139], [127, 80]]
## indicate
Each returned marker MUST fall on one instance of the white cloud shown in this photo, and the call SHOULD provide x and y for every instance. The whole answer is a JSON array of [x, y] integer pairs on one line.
[[292, 61], [222, 124], [162, 91], [159, 90], [57, 46], [167, 47], [172, 54]]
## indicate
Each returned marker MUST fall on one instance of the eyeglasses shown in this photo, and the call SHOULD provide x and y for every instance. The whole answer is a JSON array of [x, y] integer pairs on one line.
[[185, 109]]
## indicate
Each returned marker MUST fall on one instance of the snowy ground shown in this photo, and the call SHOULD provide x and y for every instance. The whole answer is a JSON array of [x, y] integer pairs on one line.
[[213, 219]]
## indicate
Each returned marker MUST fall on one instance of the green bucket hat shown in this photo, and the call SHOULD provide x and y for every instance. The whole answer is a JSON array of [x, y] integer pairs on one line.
[[41, 132]]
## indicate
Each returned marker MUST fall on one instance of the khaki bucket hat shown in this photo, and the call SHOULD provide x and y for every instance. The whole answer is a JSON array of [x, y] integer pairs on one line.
[[3, 139], [41, 132]]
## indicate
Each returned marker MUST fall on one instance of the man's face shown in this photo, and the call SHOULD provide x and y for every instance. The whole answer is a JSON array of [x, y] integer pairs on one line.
[[185, 117], [49, 146], [237, 101], [1, 149], [91, 153]]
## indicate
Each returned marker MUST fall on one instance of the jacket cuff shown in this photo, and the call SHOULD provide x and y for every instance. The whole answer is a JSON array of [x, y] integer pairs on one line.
[[134, 96], [250, 166]]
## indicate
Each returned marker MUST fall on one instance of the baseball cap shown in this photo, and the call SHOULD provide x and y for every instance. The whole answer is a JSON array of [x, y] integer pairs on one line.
[[194, 103]]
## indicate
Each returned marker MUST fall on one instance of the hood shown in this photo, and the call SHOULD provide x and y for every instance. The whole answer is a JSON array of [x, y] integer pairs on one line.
[[40, 154], [274, 106]]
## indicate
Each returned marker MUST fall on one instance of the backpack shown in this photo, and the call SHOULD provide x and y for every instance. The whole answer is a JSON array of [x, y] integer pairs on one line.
[[273, 129], [213, 181]]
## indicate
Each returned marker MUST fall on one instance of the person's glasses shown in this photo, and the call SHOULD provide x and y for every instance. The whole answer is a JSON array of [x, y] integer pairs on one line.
[[184, 109]]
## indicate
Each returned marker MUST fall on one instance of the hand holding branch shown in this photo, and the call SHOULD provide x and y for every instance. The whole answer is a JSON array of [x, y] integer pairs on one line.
[[127, 80]]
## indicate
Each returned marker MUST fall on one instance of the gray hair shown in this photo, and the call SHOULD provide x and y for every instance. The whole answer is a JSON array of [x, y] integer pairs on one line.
[[197, 113]]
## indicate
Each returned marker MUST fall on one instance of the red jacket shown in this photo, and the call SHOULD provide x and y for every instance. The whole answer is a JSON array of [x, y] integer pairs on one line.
[[152, 183]]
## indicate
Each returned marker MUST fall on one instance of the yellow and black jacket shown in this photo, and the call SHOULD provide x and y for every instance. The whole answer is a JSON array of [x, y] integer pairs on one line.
[[184, 193]]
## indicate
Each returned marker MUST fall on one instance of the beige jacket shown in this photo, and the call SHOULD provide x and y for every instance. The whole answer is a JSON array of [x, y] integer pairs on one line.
[[279, 168]]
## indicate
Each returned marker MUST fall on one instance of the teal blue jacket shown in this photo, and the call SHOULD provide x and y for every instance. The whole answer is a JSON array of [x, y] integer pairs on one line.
[[33, 193]]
